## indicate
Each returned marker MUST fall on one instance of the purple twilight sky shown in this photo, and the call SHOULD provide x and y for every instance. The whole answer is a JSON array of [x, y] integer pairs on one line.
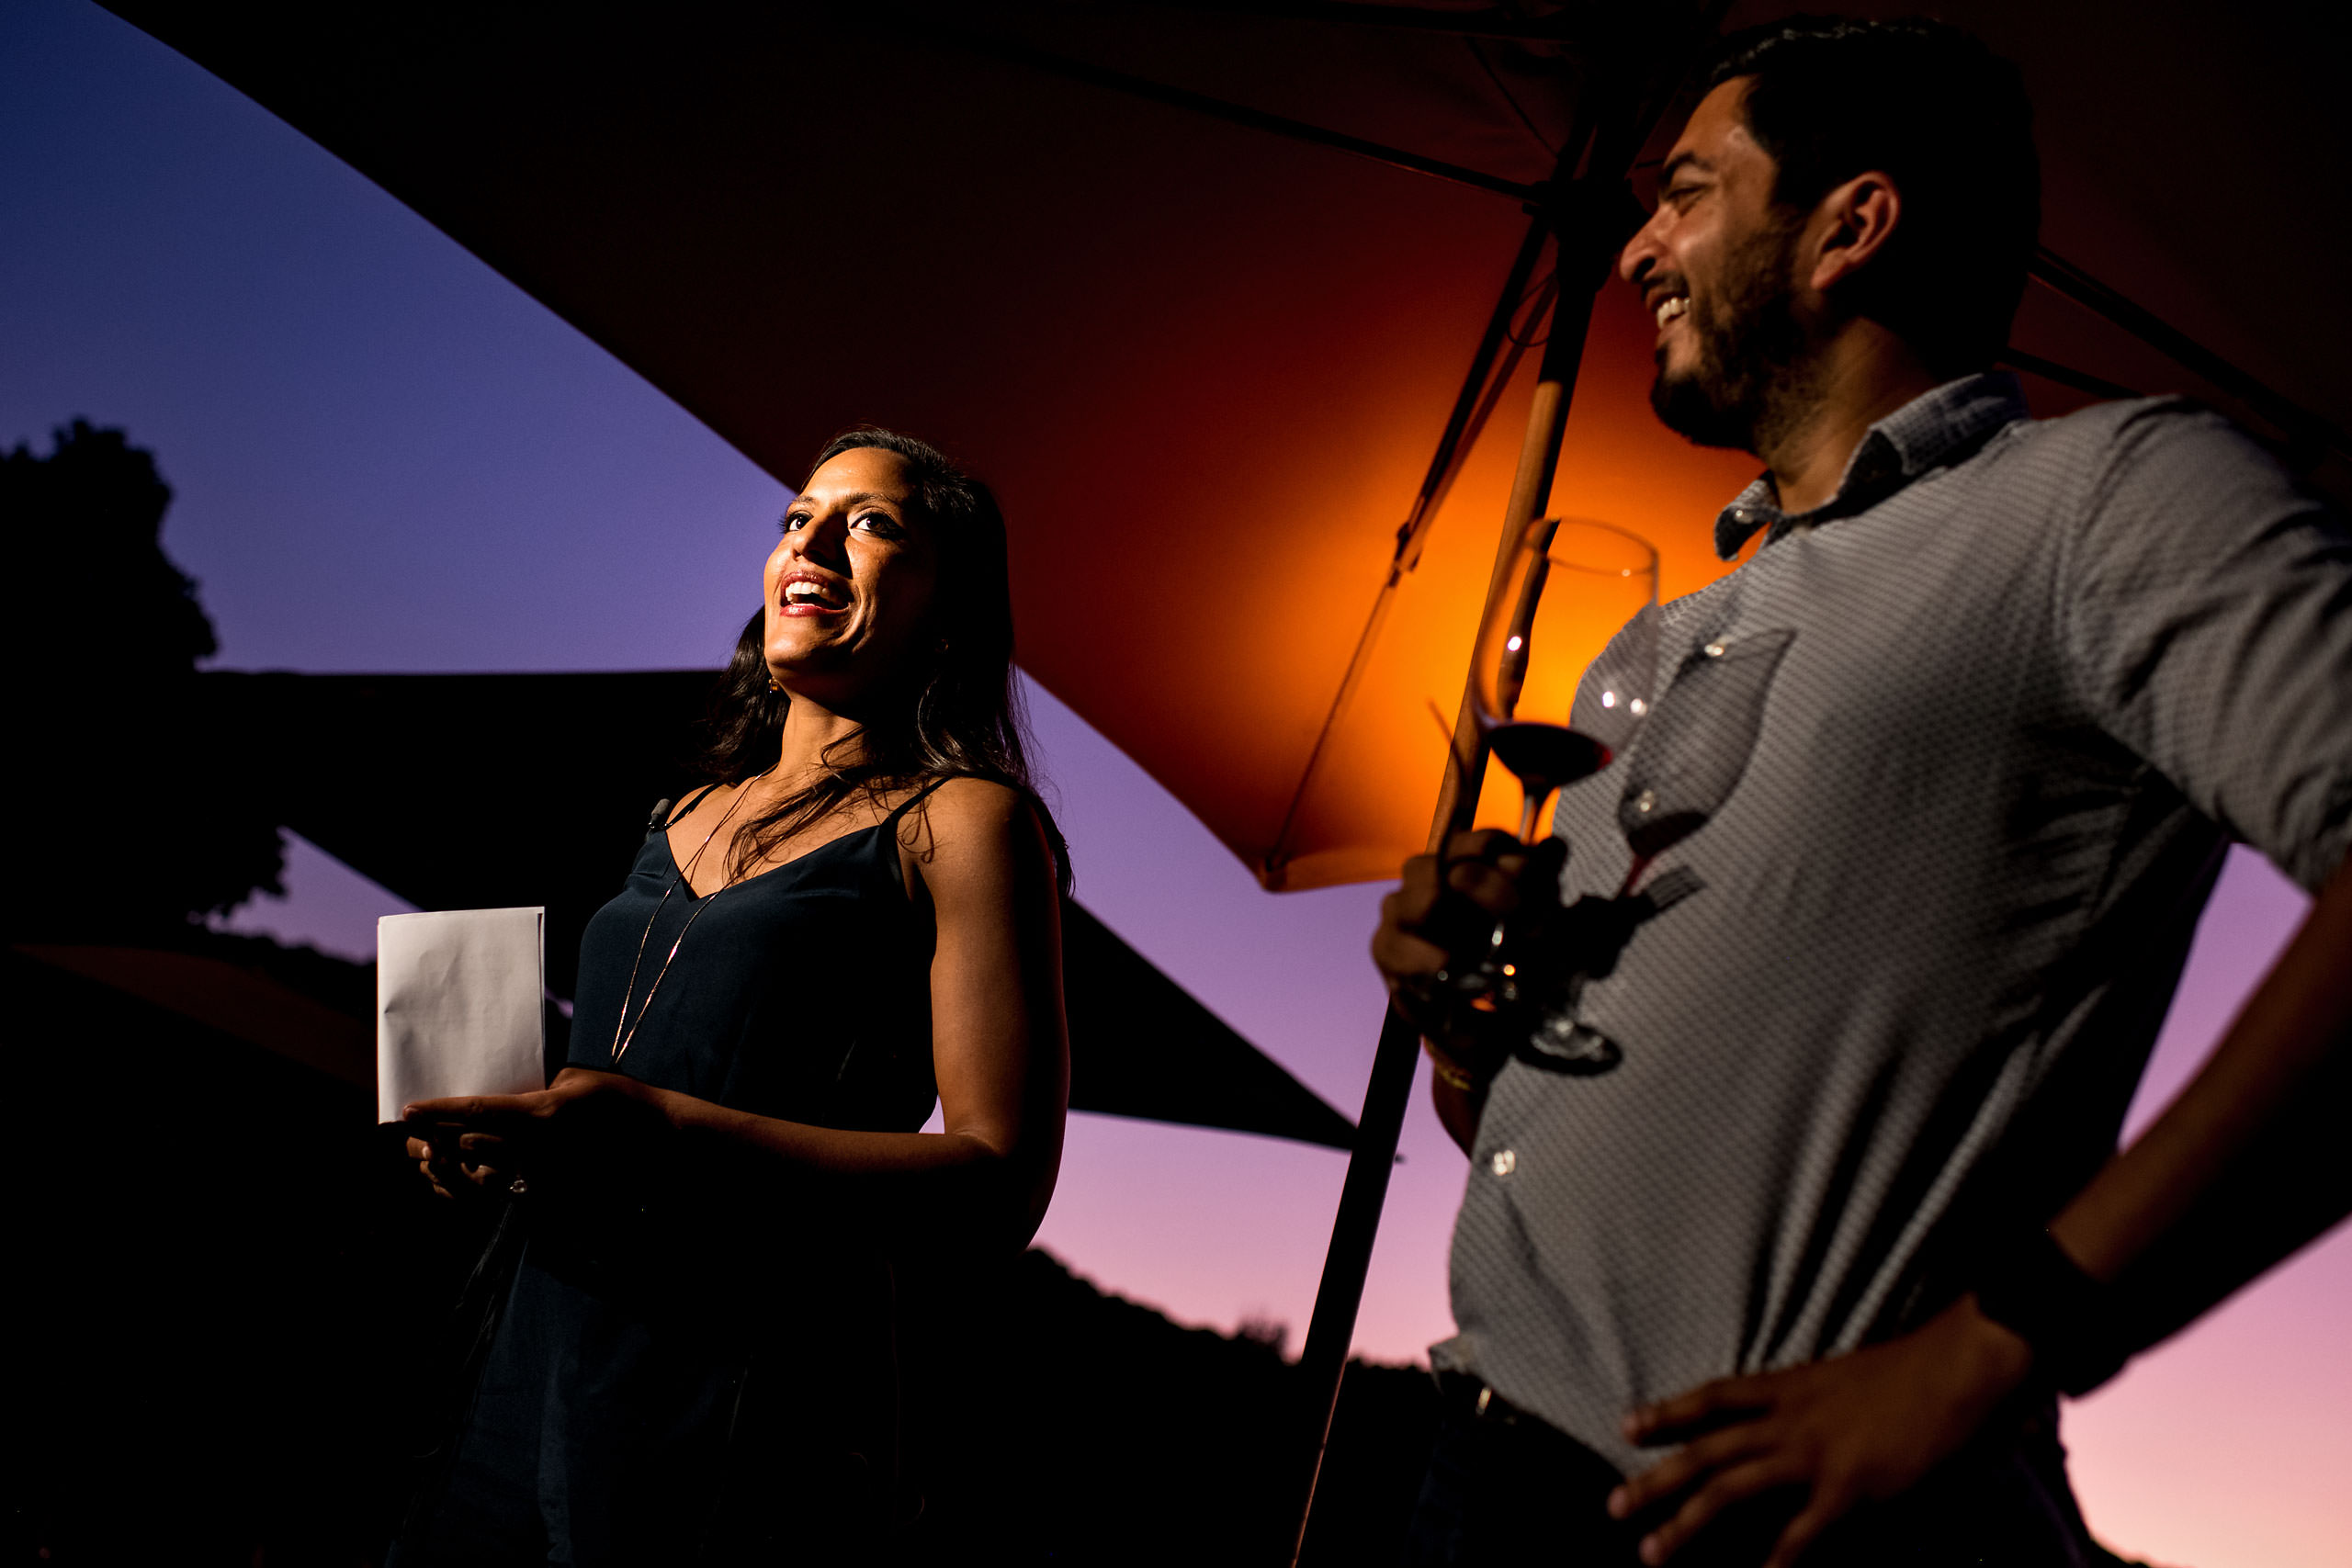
[[388, 458]]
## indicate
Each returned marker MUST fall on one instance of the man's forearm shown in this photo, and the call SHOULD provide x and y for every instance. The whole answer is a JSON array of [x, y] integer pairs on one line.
[[1457, 1111], [2238, 1171]]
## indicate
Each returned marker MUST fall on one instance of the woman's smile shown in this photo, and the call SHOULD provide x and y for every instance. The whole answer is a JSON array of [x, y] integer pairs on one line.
[[806, 593], [850, 584]]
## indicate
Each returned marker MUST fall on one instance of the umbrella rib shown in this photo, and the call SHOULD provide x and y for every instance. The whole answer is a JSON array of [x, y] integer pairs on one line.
[[1240, 114], [1510, 98], [2065, 375], [2300, 425], [1461, 425], [1479, 393], [1471, 407], [1494, 23]]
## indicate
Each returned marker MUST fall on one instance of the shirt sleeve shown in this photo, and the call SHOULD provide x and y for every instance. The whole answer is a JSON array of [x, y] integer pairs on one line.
[[2205, 616]]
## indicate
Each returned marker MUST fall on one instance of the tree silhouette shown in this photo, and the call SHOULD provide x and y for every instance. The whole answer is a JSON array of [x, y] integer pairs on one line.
[[132, 822]]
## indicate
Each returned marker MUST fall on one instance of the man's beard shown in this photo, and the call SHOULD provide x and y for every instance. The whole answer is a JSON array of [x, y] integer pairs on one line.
[[1751, 378]]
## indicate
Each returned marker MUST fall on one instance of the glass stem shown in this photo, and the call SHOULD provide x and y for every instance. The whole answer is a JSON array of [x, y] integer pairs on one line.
[[1532, 807]]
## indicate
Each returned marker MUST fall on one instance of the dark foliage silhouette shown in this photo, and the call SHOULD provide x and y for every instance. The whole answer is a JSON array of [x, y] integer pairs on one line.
[[138, 824]]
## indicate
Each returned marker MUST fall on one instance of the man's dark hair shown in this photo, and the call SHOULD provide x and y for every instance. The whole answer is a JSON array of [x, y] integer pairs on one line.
[[1948, 121]]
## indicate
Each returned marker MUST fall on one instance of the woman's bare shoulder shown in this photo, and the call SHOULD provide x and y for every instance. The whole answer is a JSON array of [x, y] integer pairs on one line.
[[981, 810], [977, 800], [973, 823]]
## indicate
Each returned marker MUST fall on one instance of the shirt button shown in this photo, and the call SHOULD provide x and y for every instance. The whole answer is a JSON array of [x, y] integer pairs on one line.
[[1504, 1162], [1646, 802], [1714, 651]]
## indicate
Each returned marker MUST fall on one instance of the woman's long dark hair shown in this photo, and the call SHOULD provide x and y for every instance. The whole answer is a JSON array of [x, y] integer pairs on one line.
[[966, 720]]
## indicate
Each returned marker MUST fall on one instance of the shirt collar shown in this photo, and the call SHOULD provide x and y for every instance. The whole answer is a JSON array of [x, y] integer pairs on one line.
[[1931, 430]]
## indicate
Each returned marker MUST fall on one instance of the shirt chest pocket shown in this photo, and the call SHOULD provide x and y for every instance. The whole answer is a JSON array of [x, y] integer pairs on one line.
[[1695, 744]]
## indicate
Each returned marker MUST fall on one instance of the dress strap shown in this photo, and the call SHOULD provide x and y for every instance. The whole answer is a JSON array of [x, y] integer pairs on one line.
[[885, 832], [663, 816], [915, 800]]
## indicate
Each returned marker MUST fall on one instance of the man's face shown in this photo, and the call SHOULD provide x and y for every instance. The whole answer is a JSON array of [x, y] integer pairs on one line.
[[1716, 265]]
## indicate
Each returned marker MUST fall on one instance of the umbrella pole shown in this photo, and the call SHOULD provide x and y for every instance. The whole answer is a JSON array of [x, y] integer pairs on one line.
[[1586, 247]]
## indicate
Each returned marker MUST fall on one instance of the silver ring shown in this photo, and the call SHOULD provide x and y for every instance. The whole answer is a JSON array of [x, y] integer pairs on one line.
[[517, 1187]]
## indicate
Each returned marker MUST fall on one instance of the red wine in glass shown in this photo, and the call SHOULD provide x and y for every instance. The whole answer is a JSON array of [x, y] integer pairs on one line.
[[1544, 758], [1566, 655]]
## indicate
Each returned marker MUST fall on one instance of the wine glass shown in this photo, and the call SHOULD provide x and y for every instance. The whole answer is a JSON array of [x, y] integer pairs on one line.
[[1560, 679], [1561, 676]]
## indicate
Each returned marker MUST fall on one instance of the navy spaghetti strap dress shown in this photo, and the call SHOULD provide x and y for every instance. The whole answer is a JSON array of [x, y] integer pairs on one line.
[[670, 1382]]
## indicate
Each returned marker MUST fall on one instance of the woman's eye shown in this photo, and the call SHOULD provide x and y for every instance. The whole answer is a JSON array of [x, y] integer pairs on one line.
[[794, 521], [880, 522]]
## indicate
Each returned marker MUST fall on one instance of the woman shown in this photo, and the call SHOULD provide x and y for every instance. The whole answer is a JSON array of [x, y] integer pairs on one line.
[[700, 1357]]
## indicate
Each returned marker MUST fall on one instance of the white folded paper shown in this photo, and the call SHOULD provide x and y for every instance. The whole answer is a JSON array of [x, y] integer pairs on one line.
[[457, 1005]]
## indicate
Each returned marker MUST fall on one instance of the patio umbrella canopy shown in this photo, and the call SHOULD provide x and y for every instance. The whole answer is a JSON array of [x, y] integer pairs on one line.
[[1203, 365], [1205, 361]]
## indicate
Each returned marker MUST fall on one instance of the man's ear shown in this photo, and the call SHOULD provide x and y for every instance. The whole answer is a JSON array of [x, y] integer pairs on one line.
[[1851, 225]]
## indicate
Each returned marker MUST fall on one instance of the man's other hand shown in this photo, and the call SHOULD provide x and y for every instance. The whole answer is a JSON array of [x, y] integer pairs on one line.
[[1854, 1428]]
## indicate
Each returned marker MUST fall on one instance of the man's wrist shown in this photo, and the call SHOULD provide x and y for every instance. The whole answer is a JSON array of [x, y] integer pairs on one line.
[[2034, 1289], [1446, 1070], [1991, 1358]]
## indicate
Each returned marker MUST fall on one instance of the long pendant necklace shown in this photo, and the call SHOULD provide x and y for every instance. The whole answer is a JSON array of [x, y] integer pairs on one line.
[[621, 1041]]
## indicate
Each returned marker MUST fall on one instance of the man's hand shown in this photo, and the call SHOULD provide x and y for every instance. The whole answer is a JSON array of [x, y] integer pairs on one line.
[[1442, 917], [1859, 1427], [1443, 914]]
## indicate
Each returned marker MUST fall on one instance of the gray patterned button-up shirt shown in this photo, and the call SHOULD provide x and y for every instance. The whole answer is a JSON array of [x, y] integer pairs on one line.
[[1936, 786]]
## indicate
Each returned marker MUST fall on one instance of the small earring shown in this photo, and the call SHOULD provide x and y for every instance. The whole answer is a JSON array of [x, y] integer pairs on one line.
[[774, 684]]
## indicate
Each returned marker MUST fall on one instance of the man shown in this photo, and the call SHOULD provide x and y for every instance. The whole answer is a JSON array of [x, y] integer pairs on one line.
[[1949, 765]]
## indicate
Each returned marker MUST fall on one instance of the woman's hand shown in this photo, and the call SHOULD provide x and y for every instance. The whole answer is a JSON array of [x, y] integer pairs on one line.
[[453, 1172], [1859, 1427], [586, 1130]]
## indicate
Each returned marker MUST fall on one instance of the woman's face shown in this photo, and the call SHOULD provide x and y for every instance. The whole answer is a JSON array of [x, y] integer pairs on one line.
[[849, 586]]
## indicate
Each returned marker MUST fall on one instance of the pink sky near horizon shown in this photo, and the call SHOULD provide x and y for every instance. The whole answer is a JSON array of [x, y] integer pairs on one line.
[[388, 458]]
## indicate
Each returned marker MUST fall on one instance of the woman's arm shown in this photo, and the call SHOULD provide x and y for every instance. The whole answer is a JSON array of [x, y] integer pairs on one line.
[[1000, 1047], [999, 1050]]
